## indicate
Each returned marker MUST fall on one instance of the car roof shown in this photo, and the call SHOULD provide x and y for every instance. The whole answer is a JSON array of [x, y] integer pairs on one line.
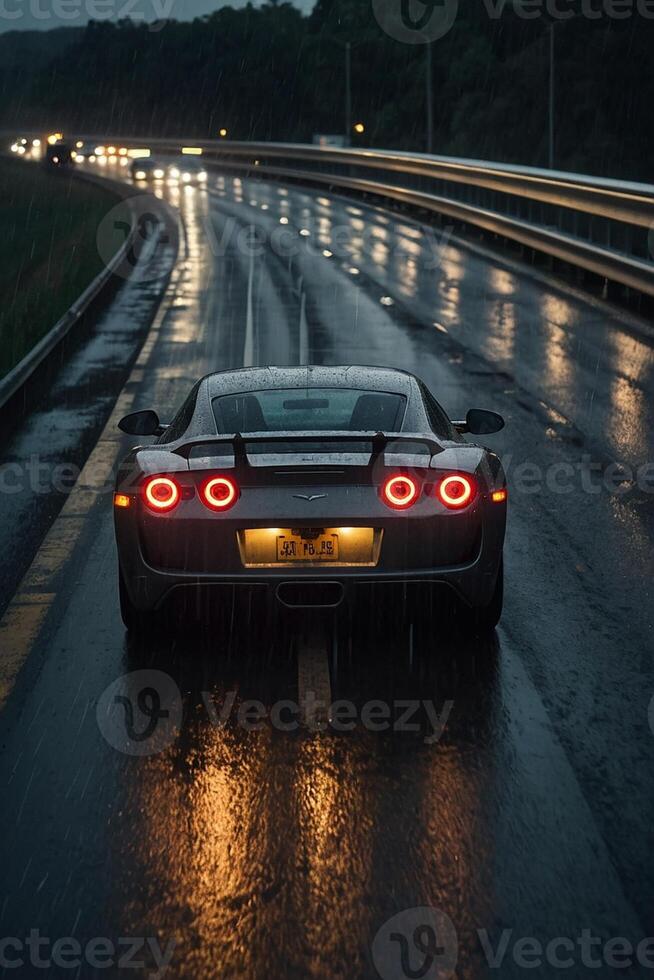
[[311, 376]]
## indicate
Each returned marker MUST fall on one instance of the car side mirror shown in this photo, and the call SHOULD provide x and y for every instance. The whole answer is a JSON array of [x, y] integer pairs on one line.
[[480, 422], [144, 423]]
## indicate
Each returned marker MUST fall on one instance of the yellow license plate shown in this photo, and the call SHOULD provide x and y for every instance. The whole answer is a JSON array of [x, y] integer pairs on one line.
[[293, 547]]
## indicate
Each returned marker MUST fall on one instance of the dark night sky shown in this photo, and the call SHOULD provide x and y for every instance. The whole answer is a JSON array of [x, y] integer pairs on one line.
[[23, 15]]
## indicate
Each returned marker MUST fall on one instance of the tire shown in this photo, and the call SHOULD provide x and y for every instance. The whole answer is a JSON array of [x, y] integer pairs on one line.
[[486, 618], [134, 619]]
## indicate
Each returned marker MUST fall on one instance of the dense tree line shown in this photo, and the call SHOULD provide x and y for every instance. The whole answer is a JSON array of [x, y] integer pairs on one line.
[[271, 73]]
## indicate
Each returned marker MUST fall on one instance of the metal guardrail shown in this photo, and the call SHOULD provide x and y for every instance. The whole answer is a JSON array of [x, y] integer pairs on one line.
[[603, 226]]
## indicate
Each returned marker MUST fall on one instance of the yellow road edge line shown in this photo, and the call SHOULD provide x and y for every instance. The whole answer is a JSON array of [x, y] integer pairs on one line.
[[23, 619], [19, 628]]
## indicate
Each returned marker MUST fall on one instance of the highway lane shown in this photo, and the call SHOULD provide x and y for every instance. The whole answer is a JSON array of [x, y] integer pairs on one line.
[[281, 853]]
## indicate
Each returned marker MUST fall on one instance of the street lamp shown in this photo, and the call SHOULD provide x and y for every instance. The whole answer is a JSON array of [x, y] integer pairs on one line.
[[347, 46], [429, 95], [551, 99], [348, 88], [222, 132], [430, 99], [551, 24], [359, 128]]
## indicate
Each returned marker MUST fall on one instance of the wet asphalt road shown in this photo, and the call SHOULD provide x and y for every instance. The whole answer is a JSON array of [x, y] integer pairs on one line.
[[262, 852]]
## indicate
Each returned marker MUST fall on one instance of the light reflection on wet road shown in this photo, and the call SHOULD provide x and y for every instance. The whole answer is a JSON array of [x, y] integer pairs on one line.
[[280, 854]]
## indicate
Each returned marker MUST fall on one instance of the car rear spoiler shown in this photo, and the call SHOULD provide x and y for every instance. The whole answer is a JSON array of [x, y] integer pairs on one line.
[[379, 442]]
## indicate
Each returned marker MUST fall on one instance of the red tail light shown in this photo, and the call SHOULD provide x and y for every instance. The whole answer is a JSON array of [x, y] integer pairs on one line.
[[161, 494], [399, 492], [456, 491], [219, 493]]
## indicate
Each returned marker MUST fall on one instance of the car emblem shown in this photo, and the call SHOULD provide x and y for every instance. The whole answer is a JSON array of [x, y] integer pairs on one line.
[[309, 497]]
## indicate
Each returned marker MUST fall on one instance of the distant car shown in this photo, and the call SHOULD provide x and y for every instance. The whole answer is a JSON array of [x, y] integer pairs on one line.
[[310, 483], [188, 170], [20, 145], [147, 169], [59, 155], [83, 150]]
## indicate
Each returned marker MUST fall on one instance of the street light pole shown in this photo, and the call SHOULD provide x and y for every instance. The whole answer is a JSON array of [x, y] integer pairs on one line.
[[551, 99], [429, 98], [348, 92], [551, 96]]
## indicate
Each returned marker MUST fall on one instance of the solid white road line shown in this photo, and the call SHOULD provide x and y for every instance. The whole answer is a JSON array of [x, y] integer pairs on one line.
[[313, 682], [304, 331]]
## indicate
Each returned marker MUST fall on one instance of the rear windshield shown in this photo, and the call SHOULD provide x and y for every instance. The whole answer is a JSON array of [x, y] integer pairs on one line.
[[309, 409]]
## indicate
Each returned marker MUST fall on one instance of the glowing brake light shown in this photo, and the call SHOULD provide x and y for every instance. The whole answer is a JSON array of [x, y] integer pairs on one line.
[[456, 491], [400, 492], [219, 493], [161, 494]]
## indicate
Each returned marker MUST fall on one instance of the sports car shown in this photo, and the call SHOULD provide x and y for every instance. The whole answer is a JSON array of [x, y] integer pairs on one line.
[[310, 484]]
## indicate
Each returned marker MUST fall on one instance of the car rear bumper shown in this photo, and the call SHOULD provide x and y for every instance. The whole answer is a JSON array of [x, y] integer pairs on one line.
[[473, 582], [160, 556]]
